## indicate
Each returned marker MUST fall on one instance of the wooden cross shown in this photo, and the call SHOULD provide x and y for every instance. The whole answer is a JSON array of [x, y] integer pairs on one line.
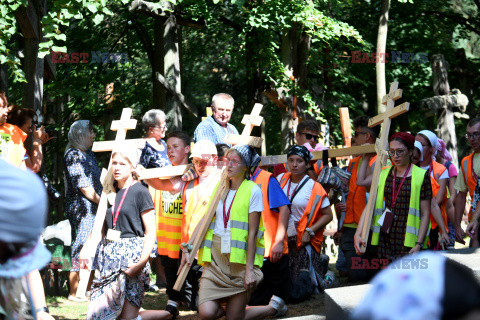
[[346, 127], [381, 147], [250, 121], [89, 249], [201, 230], [121, 126]]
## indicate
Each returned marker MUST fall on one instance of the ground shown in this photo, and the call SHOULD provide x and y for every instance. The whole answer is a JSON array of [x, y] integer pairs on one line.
[[63, 309]]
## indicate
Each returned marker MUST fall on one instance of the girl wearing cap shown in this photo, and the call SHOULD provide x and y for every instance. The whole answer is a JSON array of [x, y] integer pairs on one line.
[[121, 262], [310, 213], [83, 189], [439, 177], [402, 209], [233, 248]]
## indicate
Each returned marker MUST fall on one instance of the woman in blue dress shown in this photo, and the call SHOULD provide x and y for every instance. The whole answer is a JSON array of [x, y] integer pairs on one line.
[[83, 189]]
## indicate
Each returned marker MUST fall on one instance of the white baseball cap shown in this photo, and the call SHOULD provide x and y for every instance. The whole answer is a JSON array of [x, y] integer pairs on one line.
[[203, 148]]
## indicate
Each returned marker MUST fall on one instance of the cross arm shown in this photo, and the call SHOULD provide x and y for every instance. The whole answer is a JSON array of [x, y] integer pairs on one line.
[[398, 110]]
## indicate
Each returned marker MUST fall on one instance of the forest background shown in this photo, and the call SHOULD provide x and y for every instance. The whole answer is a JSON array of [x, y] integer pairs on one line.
[[297, 57]]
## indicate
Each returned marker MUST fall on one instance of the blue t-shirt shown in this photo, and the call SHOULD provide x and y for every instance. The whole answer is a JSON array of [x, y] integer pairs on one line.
[[276, 196]]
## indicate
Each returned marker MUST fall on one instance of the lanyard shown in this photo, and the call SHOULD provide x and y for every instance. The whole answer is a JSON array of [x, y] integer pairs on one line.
[[294, 190], [115, 214], [395, 195], [226, 215]]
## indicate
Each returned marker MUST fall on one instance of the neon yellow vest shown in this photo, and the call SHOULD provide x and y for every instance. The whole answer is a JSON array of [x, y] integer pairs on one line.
[[413, 218], [238, 230]]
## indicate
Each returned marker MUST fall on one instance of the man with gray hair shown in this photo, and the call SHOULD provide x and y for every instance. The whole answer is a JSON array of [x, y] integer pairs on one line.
[[216, 127]]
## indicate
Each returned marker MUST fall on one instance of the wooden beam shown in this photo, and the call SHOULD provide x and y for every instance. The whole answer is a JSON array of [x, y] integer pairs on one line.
[[398, 110], [318, 155], [28, 21], [162, 173], [346, 127]]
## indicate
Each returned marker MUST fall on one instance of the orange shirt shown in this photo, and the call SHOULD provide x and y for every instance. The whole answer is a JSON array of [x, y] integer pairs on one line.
[[11, 144]]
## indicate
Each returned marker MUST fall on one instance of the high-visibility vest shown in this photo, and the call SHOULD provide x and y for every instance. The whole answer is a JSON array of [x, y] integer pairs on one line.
[[438, 169], [269, 218], [168, 222], [311, 214], [470, 181], [186, 230], [357, 195], [413, 218], [238, 230]]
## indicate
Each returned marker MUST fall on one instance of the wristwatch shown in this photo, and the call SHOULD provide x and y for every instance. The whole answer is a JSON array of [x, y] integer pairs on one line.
[[44, 309], [310, 232]]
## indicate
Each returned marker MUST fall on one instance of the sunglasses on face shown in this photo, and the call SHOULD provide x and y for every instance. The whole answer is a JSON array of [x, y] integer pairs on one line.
[[310, 136]]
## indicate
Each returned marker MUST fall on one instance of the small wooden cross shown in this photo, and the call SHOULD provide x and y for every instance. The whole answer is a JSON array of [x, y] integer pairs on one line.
[[222, 190], [89, 249], [250, 121], [381, 147], [346, 127]]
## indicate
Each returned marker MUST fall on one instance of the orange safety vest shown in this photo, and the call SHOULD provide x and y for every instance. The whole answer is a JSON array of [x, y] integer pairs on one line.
[[357, 196], [169, 225], [269, 218], [468, 177], [187, 217], [11, 144], [438, 169], [311, 214]]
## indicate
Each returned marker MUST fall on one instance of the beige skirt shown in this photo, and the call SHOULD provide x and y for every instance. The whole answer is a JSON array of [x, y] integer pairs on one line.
[[222, 279]]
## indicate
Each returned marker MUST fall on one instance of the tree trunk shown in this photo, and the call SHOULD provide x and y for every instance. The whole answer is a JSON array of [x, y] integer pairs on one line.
[[33, 68], [381, 48], [172, 70], [159, 91], [288, 123], [4, 79]]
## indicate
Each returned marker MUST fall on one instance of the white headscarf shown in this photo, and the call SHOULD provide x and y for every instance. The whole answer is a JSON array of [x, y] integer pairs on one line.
[[410, 288], [79, 135], [432, 137], [419, 146]]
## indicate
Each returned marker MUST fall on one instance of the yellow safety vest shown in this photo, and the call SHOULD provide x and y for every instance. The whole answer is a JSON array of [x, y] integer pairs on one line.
[[238, 230], [413, 218]]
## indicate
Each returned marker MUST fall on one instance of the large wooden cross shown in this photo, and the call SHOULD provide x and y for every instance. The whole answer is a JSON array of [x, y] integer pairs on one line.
[[196, 240], [381, 147], [121, 127], [250, 121]]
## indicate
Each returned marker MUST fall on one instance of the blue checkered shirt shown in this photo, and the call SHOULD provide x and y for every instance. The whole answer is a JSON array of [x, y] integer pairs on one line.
[[209, 129]]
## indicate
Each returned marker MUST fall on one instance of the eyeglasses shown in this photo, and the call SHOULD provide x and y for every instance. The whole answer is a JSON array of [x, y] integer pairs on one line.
[[161, 128], [398, 152], [310, 136], [474, 135], [357, 133]]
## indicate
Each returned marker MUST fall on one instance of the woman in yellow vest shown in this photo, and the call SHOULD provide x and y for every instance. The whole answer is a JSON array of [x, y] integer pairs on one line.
[[402, 209], [233, 248], [310, 213]]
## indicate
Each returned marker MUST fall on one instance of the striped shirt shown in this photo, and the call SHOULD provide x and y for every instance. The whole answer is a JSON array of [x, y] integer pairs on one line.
[[209, 129]]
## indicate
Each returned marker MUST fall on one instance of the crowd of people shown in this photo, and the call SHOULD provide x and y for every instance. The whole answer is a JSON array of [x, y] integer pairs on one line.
[[264, 247]]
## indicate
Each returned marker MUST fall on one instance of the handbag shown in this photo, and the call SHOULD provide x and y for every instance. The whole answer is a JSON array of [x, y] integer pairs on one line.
[[332, 177]]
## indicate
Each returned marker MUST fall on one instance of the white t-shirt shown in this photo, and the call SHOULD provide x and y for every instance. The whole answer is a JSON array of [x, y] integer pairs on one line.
[[256, 205], [444, 175], [300, 202]]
